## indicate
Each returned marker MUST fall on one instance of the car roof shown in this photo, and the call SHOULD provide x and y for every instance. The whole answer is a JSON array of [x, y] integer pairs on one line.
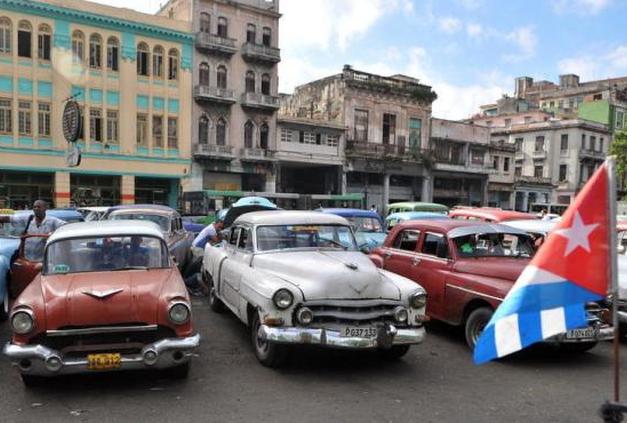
[[484, 228], [533, 225], [58, 213], [442, 225], [95, 208], [496, 215], [290, 217], [143, 208], [413, 204], [346, 212], [106, 228], [416, 215]]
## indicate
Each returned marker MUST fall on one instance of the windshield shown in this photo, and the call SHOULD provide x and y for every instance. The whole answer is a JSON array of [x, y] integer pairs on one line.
[[162, 221], [97, 254], [494, 245], [365, 224], [285, 237]]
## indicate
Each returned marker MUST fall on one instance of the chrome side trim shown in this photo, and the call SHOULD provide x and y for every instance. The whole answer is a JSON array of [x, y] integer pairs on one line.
[[470, 291], [101, 329]]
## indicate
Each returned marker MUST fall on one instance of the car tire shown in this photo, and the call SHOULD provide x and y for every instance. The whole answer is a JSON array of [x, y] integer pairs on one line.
[[179, 372], [578, 347], [31, 381], [476, 321], [394, 353], [269, 354], [215, 304]]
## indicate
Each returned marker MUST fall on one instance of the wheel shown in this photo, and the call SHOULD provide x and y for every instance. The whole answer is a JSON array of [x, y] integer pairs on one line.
[[215, 303], [578, 347], [31, 381], [476, 321], [395, 352], [179, 372], [269, 354]]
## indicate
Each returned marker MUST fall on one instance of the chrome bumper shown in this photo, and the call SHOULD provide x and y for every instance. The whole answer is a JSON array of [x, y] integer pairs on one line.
[[622, 317], [605, 333], [40, 360], [331, 338]]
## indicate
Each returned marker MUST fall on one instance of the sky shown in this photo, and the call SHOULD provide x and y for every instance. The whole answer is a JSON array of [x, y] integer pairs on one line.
[[469, 51]]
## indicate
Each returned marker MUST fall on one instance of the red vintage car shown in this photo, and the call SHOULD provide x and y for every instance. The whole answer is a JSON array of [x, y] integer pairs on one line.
[[467, 268], [488, 214], [109, 297]]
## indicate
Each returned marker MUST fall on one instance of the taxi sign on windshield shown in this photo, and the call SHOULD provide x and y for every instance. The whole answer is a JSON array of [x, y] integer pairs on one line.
[[306, 229]]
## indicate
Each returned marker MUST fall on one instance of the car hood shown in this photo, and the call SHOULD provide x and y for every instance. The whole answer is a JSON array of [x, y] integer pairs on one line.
[[81, 299], [493, 267], [329, 274], [8, 246]]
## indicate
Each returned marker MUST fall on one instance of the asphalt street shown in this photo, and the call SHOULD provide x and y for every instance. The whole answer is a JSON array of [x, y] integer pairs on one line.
[[435, 382]]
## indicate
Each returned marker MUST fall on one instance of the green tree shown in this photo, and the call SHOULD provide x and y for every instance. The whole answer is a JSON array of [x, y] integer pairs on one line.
[[619, 149]]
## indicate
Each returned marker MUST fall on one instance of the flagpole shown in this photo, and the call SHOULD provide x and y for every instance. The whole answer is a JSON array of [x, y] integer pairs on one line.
[[611, 172]]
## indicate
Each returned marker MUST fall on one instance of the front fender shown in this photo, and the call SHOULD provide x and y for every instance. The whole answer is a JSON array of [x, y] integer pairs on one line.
[[212, 258]]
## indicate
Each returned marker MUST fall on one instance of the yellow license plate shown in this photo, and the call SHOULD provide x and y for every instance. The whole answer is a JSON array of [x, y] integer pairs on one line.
[[104, 361]]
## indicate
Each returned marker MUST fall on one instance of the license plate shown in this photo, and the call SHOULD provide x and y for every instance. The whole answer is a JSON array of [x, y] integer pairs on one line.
[[104, 361], [581, 333], [358, 332]]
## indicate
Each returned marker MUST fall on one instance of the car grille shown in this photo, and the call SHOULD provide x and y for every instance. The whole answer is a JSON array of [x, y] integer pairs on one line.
[[129, 341], [352, 312], [596, 314]]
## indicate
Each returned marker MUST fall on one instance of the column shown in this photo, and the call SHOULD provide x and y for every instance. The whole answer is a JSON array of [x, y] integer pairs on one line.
[[427, 193], [484, 192], [128, 189], [173, 194], [270, 181], [386, 192], [525, 201], [62, 193]]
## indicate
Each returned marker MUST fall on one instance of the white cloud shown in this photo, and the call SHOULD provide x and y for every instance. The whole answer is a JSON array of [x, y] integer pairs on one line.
[[617, 58], [583, 66], [596, 66], [471, 4], [474, 30], [580, 7], [526, 40], [450, 25]]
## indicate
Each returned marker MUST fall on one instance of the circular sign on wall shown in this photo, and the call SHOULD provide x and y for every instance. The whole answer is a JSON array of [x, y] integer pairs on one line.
[[72, 121]]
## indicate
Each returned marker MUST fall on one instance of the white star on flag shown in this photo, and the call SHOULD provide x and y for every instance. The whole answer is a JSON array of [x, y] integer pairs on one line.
[[577, 235]]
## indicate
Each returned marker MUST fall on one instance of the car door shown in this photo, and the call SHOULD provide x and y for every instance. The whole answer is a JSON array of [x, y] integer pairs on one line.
[[229, 273], [431, 270], [27, 264], [400, 256]]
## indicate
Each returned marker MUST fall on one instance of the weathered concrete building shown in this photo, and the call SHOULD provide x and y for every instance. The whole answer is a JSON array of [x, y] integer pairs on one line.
[[235, 93], [387, 123]]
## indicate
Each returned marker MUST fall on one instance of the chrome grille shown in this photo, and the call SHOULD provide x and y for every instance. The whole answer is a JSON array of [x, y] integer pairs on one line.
[[356, 312]]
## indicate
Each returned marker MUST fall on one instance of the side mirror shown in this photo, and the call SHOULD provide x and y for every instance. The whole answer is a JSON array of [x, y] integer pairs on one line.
[[364, 248], [621, 249]]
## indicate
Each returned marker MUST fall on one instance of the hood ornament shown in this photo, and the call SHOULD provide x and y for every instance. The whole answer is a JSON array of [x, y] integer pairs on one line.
[[101, 295], [351, 266]]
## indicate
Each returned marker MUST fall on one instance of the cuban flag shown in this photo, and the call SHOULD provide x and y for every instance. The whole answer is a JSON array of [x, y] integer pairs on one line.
[[570, 269]]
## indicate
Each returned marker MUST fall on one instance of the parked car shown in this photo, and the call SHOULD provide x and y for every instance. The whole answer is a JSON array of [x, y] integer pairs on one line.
[[108, 298], [395, 218], [93, 213], [538, 229], [298, 278], [9, 243], [367, 226], [169, 220], [488, 214], [467, 268], [416, 206], [194, 224], [67, 215]]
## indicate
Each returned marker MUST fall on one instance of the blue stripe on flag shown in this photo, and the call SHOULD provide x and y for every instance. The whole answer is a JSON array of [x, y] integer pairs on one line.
[[486, 345], [575, 316], [530, 327]]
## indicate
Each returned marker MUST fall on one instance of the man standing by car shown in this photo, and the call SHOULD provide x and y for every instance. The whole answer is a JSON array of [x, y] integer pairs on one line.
[[210, 234], [191, 273]]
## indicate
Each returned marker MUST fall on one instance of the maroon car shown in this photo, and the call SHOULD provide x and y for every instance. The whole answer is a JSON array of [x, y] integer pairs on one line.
[[467, 268]]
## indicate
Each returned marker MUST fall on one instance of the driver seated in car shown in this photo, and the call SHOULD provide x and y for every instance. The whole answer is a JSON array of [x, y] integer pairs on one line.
[[136, 253]]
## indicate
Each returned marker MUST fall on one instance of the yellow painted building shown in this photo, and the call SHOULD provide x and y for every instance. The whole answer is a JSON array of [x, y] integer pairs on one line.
[[131, 74]]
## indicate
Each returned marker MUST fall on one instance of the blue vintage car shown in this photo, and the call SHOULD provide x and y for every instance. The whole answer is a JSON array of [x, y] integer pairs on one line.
[[368, 226], [395, 218]]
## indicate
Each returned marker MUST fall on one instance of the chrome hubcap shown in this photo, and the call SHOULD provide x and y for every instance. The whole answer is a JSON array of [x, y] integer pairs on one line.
[[262, 344]]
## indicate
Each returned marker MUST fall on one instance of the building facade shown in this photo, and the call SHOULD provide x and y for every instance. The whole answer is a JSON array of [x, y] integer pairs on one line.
[[387, 123], [235, 92], [130, 74]]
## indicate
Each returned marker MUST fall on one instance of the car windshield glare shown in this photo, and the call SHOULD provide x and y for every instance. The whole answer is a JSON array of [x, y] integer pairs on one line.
[[285, 237], [494, 245], [365, 224], [162, 221], [97, 254]]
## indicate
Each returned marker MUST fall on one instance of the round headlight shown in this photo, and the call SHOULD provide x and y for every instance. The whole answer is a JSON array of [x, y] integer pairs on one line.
[[400, 314], [418, 299], [304, 316], [22, 322], [179, 313], [283, 299]]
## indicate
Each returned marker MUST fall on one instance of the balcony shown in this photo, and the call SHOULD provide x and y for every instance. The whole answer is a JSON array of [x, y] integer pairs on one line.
[[212, 151], [214, 44], [535, 180], [260, 53], [256, 154], [214, 94], [538, 155], [371, 150], [519, 156], [591, 154], [260, 101]]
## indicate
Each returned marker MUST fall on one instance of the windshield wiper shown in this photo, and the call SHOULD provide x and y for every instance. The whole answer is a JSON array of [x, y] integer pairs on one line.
[[339, 244], [130, 268]]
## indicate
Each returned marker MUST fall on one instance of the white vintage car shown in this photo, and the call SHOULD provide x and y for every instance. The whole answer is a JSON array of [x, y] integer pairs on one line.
[[298, 278]]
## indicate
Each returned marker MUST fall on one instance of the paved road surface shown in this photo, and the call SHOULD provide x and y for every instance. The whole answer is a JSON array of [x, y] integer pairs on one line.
[[435, 382]]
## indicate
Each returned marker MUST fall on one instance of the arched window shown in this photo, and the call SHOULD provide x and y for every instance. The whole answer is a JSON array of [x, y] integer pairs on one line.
[[221, 132], [267, 36], [113, 54], [24, 39], [251, 33], [223, 27], [78, 47], [157, 62], [5, 35], [95, 51], [265, 84], [205, 23], [222, 80], [173, 64], [250, 82], [203, 130], [143, 59], [44, 36], [249, 134], [263, 136], [203, 74]]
